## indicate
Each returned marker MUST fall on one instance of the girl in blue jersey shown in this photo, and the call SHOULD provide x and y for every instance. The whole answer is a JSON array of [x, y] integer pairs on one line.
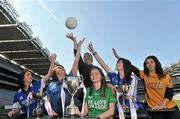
[[24, 96], [56, 87]]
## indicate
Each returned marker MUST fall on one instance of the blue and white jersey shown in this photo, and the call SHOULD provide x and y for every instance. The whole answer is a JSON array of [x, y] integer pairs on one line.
[[116, 80], [25, 99], [132, 82], [54, 94]]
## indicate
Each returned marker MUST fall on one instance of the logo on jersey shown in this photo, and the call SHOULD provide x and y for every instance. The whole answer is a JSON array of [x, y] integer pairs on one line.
[[155, 85], [21, 98]]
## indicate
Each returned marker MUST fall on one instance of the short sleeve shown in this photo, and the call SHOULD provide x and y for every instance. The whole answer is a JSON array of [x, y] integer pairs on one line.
[[111, 96], [114, 78], [15, 98], [169, 83], [111, 74]]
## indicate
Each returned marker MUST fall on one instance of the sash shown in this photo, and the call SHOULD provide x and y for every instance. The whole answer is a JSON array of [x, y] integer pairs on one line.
[[84, 91], [133, 92], [63, 97], [48, 107], [28, 102], [120, 109], [132, 109], [42, 86]]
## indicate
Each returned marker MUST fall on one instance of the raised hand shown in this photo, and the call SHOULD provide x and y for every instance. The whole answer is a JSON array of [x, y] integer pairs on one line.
[[71, 37], [90, 47], [98, 58], [53, 58], [77, 58], [115, 53], [80, 42]]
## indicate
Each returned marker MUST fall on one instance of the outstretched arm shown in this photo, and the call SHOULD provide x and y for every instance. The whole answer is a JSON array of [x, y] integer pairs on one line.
[[52, 65], [82, 64], [77, 57], [115, 53], [73, 38], [135, 69], [98, 58]]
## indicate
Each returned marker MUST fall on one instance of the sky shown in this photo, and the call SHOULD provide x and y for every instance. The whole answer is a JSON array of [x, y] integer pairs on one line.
[[135, 28]]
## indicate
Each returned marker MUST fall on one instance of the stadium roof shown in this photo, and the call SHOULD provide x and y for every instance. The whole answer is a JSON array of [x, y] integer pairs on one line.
[[18, 44]]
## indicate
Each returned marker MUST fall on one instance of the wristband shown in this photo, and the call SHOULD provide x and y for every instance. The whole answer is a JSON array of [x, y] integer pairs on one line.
[[95, 53]]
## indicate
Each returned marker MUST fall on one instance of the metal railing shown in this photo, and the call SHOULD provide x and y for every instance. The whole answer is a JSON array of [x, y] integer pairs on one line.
[[10, 9]]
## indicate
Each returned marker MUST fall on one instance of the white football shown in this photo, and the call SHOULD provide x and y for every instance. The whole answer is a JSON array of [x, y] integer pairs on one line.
[[71, 23]]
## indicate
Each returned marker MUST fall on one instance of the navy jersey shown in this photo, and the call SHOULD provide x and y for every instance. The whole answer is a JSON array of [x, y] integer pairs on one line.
[[54, 94], [25, 98]]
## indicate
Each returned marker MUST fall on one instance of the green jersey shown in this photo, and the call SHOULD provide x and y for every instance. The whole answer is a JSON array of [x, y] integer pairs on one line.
[[98, 103]]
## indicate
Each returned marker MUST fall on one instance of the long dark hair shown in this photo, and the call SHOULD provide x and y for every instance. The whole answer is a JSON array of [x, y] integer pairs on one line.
[[103, 81], [158, 69], [21, 79], [127, 68]]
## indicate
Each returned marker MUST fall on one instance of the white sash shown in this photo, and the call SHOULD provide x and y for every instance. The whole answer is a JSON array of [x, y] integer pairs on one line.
[[84, 91], [48, 107], [132, 109], [120, 109], [63, 98], [132, 92], [28, 102], [42, 86]]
